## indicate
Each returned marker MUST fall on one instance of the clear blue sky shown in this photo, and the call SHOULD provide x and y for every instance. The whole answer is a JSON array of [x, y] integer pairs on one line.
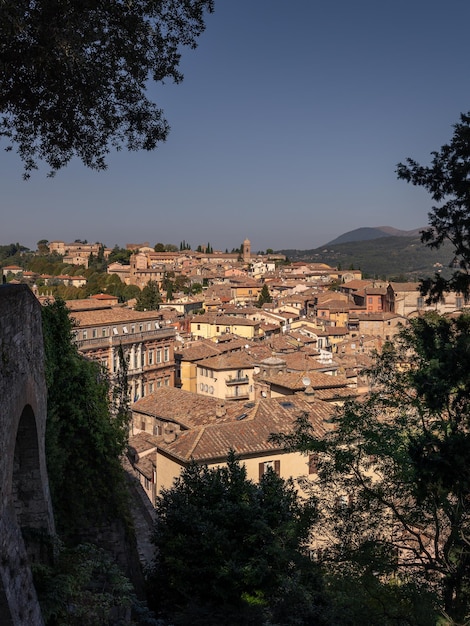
[[286, 129]]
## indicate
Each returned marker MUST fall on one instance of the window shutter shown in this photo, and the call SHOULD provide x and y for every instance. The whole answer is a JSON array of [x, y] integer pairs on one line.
[[261, 470], [277, 467]]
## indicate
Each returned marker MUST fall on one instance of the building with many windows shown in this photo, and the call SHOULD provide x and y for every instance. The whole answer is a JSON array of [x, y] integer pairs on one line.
[[147, 343]]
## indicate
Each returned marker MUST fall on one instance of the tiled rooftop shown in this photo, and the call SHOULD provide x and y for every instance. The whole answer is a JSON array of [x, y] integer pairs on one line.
[[249, 434]]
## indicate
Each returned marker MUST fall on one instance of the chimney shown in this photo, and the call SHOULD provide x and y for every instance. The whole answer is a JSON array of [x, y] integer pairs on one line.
[[309, 394], [169, 433], [220, 410]]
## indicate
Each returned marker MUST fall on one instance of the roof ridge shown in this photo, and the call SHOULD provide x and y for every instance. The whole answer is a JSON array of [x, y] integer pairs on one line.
[[197, 439]]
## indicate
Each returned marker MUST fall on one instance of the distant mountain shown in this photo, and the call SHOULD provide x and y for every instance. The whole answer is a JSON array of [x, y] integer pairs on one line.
[[367, 233], [385, 257]]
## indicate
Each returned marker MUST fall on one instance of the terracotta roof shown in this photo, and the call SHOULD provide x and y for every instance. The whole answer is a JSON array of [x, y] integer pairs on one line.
[[114, 315], [227, 320], [231, 360], [248, 434], [200, 350], [185, 408], [405, 286], [294, 380]]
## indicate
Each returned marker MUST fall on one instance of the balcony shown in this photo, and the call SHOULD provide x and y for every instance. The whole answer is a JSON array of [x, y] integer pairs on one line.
[[124, 338], [243, 380], [242, 395]]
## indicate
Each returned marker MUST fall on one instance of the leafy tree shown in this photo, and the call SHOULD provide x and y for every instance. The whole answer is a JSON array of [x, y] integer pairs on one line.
[[83, 587], [84, 438], [394, 476], [269, 251], [11, 252], [448, 182], [73, 76], [192, 289], [130, 292], [119, 255], [230, 551], [43, 248], [159, 247], [264, 296], [149, 298]]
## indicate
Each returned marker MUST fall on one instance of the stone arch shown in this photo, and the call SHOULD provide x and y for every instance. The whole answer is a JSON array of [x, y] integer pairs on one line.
[[24, 490], [28, 499]]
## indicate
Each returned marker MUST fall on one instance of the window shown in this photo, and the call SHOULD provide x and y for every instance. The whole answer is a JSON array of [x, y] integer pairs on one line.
[[150, 387], [370, 300], [94, 333], [141, 327], [166, 354], [199, 326], [420, 303], [313, 463], [133, 328], [115, 331], [149, 325], [150, 357], [217, 328], [124, 329], [159, 383], [159, 355], [274, 465], [85, 334], [458, 302], [166, 382], [103, 332]]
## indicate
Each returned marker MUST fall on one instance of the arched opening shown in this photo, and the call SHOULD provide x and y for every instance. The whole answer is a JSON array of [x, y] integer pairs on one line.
[[27, 488]]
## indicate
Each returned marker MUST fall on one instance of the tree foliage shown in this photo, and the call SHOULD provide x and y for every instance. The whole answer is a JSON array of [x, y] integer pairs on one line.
[[394, 476], [264, 296], [447, 179], [73, 75], [85, 438], [149, 298], [230, 551]]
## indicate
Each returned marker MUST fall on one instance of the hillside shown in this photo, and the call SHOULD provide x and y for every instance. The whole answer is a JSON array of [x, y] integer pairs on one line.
[[377, 232], [382, 257]]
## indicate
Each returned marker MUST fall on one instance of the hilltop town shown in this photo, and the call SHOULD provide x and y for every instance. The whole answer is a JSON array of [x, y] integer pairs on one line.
[[231, 337], [209, 354]]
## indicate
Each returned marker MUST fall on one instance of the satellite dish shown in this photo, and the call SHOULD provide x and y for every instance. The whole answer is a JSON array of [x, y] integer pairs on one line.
[[264, 394], [306, 381]]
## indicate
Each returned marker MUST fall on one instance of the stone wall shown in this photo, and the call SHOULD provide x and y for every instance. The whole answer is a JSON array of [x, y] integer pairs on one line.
[[24, 493]]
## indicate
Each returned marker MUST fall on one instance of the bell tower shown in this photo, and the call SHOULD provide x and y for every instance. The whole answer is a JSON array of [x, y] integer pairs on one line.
[[246, 251]]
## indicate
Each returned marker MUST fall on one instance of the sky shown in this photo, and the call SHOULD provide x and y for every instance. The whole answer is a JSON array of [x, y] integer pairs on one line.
[[286, 130]]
